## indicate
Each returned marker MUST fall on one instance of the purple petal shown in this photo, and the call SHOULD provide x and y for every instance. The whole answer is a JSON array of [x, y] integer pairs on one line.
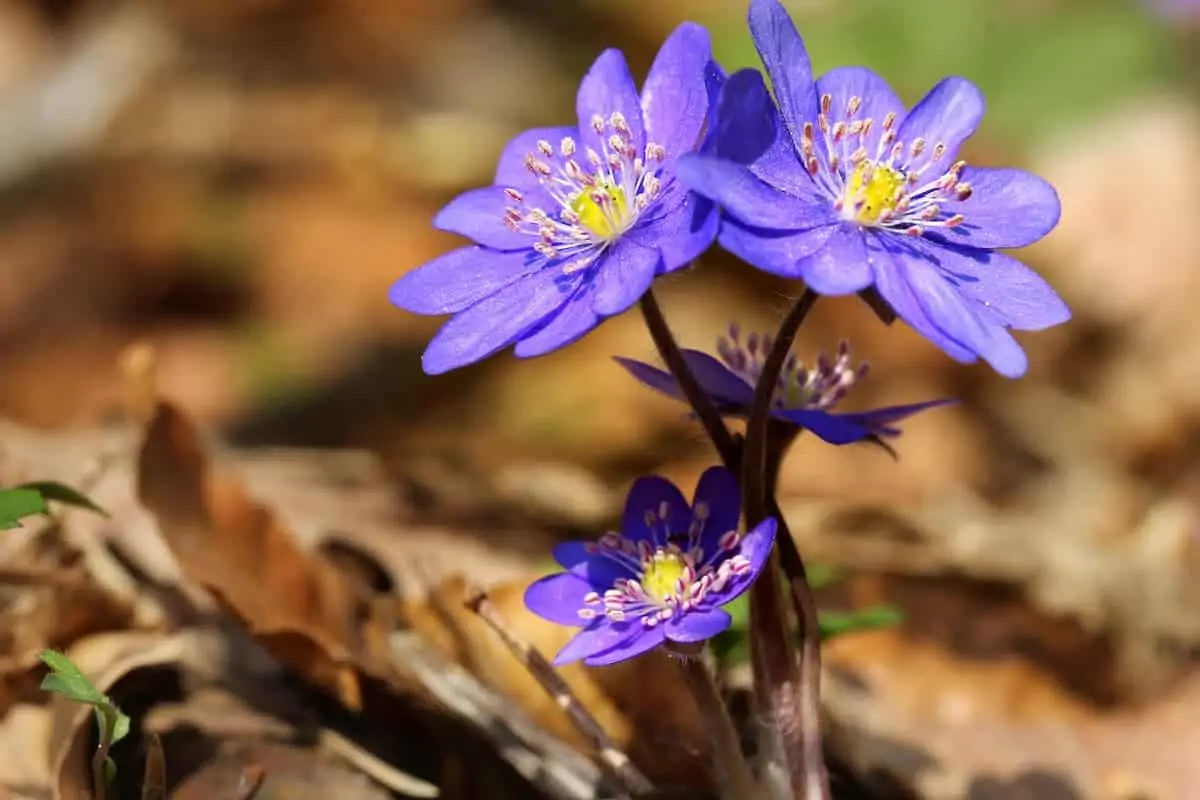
[[681, 226], [699, 625], [778, 252], [948, 115], [751, 132], [572, 322], [855, 426], [718, 491], [479, 215], [571, 554], [748, 123], [494, 323], [889, 414], [752, 202], [730, 393], [892, 283], [675, 97], [459, 279], [1016, 295], [624, 273], [654, 510], [608, 88], [833, 428], [558, 598], [602, 570], [655, 378], [717, 380], [1007, 208], [755, 546], [630, 648], [783, 54], [511, 170], [841, 265], [601, 635], [952, 313], [877, 101]]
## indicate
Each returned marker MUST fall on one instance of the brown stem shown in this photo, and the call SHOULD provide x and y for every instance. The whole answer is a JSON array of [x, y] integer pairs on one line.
[[785, 685], [754, 454], [733, 778], [816, 780], [697, 398], [99, 776]]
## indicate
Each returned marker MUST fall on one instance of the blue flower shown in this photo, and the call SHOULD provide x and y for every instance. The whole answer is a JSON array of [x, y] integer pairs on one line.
[[803, 397], [663, 578], [580, 220], [840, 186]]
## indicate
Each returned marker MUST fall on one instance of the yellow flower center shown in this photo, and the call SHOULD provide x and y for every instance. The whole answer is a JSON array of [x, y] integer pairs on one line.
[[661, 573], [871, 191], [602, 209]]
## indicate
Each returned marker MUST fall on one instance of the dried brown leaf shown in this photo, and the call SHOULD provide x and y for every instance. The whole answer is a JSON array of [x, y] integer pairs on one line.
[[641, 704], [274, 770], [949, 726], [296, 604]]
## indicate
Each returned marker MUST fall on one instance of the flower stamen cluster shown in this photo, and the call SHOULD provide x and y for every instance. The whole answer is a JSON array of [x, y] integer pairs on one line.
[[820, 387], [671, 580], [597, 198], [880, 186]]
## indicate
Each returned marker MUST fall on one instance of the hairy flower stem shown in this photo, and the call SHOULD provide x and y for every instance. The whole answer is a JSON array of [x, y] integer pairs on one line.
[[784, 688], [733, 778], [698, 399], [804, 604]]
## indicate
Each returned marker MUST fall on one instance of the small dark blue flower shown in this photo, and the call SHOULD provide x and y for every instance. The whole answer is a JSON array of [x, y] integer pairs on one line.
[[664, 577], [580, 220], [840, 186], [804, 396]]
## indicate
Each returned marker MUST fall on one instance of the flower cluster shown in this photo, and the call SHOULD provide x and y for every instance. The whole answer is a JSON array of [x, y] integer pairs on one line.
[[830, 180]]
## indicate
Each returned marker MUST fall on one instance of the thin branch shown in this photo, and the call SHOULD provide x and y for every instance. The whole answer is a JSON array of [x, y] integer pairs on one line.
[[697, 398], [621, 769]]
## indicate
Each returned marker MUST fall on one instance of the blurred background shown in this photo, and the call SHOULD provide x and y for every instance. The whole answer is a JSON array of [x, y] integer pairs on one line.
[[238, 182]]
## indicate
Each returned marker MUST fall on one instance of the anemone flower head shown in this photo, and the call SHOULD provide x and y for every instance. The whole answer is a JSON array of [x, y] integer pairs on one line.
[[579, 220], [837, 184], [805, 395], [662, 579]]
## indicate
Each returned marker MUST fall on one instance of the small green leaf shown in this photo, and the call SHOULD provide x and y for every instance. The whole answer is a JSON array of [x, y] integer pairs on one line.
[[61, 493], [66, 679], [110, 771], [837, 623], [739, 610], [120, 725], [18, 503], [818, 575], [733, 646], [822, 575]]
